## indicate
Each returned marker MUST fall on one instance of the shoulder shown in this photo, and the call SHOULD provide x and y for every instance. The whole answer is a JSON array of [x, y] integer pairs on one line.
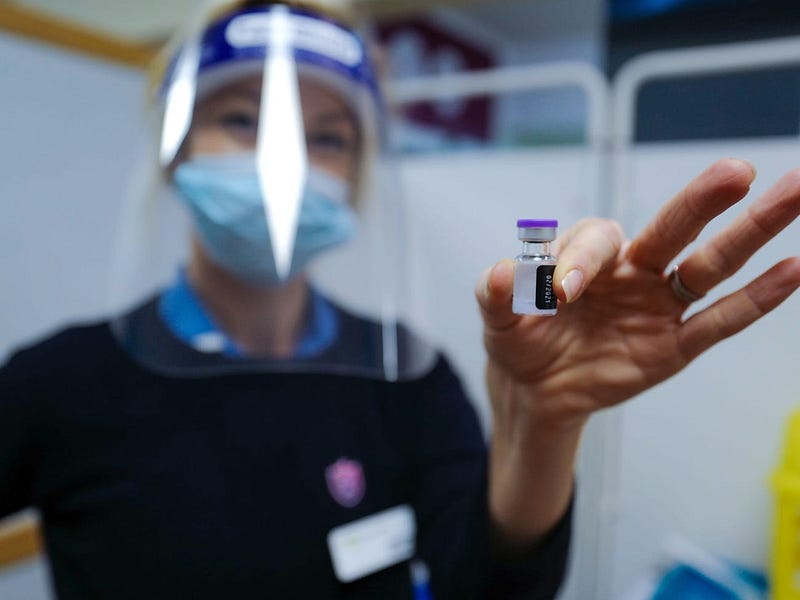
[[72, 350], [59, 368]]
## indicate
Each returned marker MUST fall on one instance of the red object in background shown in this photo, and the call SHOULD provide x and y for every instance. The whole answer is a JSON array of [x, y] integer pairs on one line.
[[417, 47]]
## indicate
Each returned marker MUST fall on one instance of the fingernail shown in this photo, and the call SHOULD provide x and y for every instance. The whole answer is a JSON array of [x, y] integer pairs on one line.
[[572, 284], [485, 276]]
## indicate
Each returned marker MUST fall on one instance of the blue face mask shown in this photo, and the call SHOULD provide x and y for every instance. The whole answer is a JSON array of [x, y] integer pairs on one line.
[[224, 196]]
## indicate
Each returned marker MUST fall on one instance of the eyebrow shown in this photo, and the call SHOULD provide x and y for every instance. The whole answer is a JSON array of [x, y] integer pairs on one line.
[[334, 116], [242, 92]]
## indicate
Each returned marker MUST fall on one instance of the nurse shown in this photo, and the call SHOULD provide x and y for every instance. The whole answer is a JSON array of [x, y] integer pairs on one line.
[[247, 430]]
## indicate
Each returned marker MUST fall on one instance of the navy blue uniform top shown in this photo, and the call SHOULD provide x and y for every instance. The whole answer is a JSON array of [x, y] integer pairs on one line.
[[156, 486]]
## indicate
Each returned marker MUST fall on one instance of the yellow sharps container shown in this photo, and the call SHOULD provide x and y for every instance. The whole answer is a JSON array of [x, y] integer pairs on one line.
[[785, 576]]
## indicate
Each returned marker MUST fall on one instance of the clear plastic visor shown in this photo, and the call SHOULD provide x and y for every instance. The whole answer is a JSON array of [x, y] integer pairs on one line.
[[269, 146]]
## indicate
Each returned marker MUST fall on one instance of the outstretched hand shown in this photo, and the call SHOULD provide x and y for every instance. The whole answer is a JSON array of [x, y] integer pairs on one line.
[[620, 328]]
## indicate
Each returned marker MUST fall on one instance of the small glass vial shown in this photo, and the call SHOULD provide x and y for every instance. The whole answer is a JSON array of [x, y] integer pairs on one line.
[[534, 268]]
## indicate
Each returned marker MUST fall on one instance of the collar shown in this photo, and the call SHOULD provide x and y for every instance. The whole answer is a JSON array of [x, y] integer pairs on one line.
[[183, 313]]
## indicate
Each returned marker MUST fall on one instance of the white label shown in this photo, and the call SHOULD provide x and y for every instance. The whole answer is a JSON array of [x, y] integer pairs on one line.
[[373, 543], [307, 33]]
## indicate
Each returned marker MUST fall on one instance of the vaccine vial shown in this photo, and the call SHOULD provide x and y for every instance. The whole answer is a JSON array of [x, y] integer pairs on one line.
[[534, 268]]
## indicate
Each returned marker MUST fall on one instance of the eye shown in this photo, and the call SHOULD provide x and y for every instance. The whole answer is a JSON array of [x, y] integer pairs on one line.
[[240, 122], [331, 141]]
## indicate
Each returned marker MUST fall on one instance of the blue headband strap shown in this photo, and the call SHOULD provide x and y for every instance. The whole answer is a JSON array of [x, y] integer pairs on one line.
[[315, 40]]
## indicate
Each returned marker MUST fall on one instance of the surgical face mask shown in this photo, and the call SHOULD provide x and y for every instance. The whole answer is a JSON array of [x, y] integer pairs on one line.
[[224, 196]]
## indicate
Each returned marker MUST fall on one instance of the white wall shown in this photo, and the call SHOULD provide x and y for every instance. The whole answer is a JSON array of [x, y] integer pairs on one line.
[[28, 580], [70, 128]]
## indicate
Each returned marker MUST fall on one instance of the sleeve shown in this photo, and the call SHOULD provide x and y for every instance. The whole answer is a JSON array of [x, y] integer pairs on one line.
[[16, 455], [536, 572], [451, 502]]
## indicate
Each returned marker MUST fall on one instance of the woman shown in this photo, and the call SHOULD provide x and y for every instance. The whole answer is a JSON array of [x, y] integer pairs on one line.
[[215, 440], [241, 433]]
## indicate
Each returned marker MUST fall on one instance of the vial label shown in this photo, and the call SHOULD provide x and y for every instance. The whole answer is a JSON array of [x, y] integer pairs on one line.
[[545, 296], [533, 288]]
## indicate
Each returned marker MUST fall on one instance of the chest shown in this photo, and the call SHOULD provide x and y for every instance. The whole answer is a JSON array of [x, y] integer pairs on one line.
[[267, 465]]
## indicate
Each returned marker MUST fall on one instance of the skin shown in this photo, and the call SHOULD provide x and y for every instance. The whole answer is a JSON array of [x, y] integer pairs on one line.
[[619, 330], [262, 320]]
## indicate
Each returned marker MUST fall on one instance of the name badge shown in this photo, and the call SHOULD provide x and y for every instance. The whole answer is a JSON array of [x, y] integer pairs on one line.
[[373, 543]]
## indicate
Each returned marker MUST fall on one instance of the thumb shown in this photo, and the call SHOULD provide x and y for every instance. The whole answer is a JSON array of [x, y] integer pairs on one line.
[[493, 292]]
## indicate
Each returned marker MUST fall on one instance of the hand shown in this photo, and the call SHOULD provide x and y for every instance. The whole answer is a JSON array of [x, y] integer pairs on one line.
[[620, 328]]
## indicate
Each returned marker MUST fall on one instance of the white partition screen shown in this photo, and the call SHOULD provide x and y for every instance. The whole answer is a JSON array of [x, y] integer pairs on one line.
[[696, 453], [463, 212]]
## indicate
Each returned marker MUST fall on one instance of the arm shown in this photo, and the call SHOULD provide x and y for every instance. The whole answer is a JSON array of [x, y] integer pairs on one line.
[[16, 454], [620, 330], [531, 466], [451, 504]]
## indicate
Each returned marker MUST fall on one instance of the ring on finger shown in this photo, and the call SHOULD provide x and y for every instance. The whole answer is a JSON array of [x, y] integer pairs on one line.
[[679, 288]]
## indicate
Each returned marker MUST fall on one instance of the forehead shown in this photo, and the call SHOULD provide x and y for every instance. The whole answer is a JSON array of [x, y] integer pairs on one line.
[[316, 98]]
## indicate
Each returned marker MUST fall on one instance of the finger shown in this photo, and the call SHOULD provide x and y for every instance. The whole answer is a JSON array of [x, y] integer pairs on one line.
[[681, 220], [731, 314], [726, 252], [493, 292], [590, 246]]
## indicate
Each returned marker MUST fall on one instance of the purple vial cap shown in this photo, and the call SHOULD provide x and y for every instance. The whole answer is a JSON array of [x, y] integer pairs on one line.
[[541, 223]]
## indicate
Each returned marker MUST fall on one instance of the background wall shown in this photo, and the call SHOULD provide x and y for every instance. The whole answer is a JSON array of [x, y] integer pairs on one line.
[[71, 129]]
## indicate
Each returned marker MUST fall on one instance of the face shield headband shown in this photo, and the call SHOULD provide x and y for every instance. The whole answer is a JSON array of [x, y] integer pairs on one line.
[[282, 43]]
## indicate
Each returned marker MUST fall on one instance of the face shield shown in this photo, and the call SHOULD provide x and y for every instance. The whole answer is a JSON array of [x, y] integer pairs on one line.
[[268, 228]]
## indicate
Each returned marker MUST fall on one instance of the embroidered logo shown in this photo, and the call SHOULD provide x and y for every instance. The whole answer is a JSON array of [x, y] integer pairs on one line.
[[346, 483]]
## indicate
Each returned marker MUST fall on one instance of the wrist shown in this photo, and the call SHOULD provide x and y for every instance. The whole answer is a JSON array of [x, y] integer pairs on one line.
[[533, 450], [536, 407], [530, 488]]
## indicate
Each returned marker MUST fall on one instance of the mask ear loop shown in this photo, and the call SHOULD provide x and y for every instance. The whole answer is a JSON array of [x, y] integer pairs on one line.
[[281, 153]]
